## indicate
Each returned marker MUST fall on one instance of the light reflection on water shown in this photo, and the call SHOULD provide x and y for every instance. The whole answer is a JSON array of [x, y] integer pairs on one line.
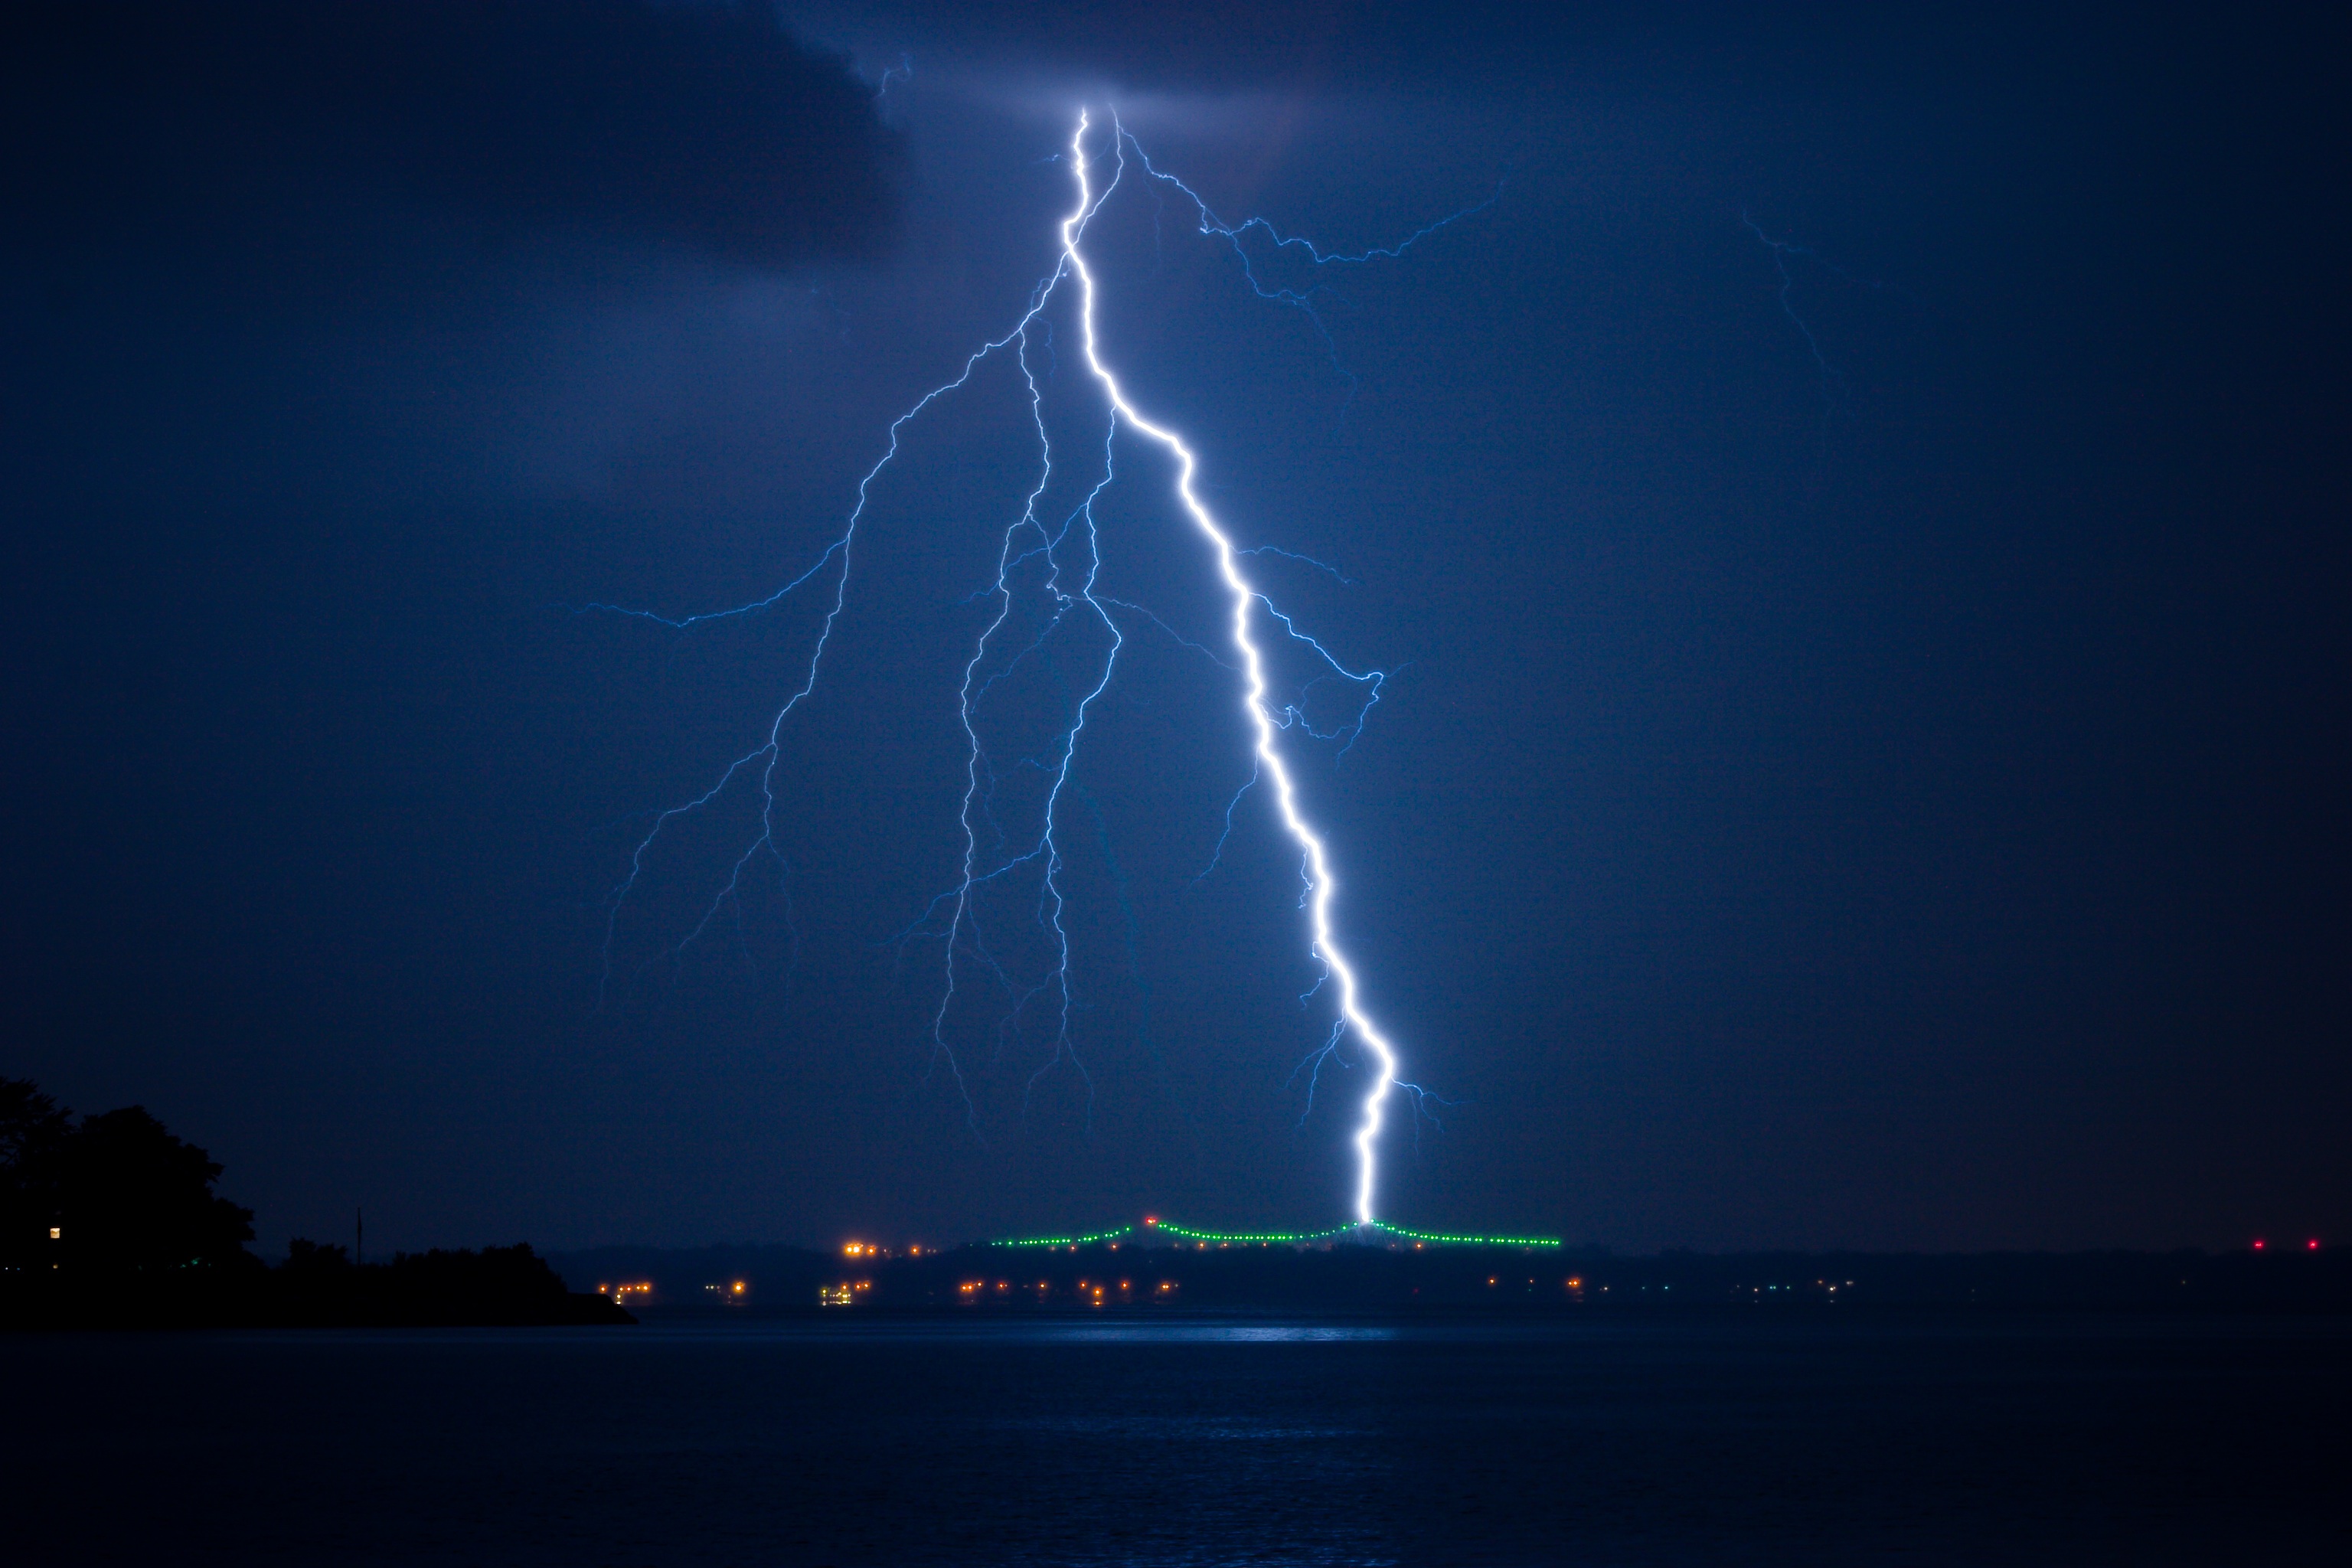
[[1943, 1438], [847, 1330], [1219, 1333]]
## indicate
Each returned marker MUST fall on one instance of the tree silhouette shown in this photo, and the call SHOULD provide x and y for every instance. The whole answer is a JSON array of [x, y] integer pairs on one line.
[[305, 1256], [34, 1131], [135, 1202], [115, 1223]]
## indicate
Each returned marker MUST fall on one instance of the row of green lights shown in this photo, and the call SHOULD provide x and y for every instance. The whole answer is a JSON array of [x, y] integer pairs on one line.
[[1064, 1240], [1287, 1237], [1295, 1236], [1467, 1240]]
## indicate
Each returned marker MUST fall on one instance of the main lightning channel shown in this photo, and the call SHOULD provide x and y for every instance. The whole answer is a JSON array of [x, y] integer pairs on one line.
[[1321, 883], [954, 916]]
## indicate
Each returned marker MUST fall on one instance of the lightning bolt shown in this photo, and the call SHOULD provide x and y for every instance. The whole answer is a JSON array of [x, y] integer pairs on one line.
[[1049, 561], [1255, 701]]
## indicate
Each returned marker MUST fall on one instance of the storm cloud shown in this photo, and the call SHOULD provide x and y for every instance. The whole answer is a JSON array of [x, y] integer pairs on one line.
[[140, 124]]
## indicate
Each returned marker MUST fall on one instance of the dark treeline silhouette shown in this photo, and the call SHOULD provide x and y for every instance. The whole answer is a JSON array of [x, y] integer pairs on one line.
[[498, 1285], [114, 1202], [112, 1221]]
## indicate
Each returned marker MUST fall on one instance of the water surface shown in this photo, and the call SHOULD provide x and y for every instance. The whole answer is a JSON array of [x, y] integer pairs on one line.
[[1770, 1436]]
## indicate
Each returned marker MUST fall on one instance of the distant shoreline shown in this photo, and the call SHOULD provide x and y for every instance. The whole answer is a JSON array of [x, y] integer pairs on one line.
[[1351, 1278]]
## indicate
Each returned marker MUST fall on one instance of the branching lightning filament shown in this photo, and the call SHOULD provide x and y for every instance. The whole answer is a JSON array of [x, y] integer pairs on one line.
[[1046, 606]]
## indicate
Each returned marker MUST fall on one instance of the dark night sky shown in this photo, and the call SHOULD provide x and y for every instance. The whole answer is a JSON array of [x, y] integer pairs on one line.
[[1891, 802]]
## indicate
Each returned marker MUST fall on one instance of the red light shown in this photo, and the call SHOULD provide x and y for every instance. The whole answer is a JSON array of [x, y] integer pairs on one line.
[[2258, 1247], [2312, 1244]]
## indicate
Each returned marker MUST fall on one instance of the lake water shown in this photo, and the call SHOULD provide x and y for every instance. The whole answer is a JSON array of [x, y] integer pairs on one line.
[[1773, 1436]]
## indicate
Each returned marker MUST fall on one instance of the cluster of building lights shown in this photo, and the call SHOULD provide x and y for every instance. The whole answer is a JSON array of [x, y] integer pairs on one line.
[[1093, 1292], [847, 1292]]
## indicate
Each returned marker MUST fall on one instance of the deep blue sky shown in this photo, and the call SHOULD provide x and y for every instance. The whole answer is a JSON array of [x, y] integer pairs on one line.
[[1885, 799]]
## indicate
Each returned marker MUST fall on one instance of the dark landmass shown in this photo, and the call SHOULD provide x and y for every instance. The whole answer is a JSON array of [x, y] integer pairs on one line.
[[1136, 1277], [111, 1222], [318, 1287]]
